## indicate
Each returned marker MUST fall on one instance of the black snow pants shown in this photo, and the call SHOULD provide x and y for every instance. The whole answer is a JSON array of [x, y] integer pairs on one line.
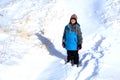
[[73, 56]]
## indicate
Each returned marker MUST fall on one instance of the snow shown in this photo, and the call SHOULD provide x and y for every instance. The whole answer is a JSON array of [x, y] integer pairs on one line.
[[31, 34]]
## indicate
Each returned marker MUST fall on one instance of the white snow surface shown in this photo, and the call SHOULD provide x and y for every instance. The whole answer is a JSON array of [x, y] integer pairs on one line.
[[31, 36]]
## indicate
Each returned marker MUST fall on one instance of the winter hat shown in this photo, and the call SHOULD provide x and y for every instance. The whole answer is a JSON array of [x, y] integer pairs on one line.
[[74, 16]]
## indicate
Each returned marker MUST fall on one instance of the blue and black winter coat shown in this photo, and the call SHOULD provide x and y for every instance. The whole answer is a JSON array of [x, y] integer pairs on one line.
[[72, 36]]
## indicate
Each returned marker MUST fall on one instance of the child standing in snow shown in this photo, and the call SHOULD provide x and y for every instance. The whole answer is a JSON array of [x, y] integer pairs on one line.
[[72, 40]]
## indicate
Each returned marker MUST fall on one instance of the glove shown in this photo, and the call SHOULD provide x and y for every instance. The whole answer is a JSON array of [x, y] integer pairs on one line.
[[79, 46], [63, 45]]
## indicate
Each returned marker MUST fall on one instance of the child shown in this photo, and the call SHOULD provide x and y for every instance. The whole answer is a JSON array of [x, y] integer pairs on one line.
[[72, 40]]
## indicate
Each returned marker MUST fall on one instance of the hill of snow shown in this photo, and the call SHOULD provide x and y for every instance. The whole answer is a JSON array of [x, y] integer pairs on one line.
[[31, 34]]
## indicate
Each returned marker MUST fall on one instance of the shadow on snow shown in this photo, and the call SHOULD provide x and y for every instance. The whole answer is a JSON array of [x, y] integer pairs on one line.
[[56, 66], [50, 47]]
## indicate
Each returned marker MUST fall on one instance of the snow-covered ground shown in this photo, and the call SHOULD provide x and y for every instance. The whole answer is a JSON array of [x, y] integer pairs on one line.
[[31, 34]]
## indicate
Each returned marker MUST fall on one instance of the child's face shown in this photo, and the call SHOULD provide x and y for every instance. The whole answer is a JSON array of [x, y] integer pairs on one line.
[[73, 21]]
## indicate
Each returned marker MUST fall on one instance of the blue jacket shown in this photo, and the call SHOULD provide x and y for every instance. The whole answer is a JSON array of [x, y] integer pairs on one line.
[[72, 37]]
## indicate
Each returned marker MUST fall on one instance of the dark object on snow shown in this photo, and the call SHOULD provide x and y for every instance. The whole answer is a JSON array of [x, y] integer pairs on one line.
[[79, 46], [63, 44]]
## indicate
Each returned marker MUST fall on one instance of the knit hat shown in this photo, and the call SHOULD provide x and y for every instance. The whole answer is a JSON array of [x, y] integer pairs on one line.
[[74, 16]]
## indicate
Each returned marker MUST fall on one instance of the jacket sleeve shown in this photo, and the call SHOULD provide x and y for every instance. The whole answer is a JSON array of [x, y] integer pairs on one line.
[[79, 34], [63, 38]]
